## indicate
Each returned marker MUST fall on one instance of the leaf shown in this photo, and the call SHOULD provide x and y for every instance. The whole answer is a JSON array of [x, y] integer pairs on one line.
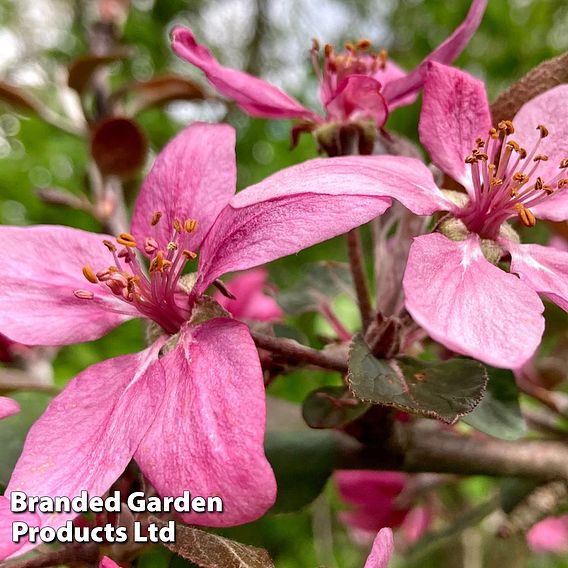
[[161, 90], [81, 69], [210, 550], [302, 463], [545, 76], [444, 390], [514, 490], [499, 413], [13, 430], [331, 407], [322, 283]]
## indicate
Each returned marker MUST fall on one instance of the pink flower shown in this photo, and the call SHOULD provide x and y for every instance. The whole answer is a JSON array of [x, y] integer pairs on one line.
[[453, 285], [107, 562], [8, 407], [250, 303], [550, 535], [190, 409], [374, 494], [354, 85], [383, 548]]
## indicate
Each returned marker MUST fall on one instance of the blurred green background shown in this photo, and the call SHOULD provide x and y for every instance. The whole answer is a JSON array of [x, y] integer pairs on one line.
[[39, 38]]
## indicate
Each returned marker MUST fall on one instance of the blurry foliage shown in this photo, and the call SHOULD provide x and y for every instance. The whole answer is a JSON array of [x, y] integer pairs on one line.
[[39, 38]]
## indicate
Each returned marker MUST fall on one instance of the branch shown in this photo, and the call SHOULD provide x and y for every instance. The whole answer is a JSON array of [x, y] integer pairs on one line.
[[357, 264], [87, 553]]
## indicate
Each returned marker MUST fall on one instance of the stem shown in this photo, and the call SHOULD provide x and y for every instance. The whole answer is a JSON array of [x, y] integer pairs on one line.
[[333, 320], [357, 264]]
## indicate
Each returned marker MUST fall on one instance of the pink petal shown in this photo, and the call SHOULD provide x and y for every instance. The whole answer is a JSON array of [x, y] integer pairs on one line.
[[8, 407], [445, 53], [358, 98], [89, 433], [208, 437], [7, 546], [550, 109], [37, 305], [253, 95], [468, 304], [455, 112], [383, 548], [416, 523], [309, 203], [544, 269], [107, 562], [250, 303], [550, 535], [365, 487], [193, 177], [392, 72]]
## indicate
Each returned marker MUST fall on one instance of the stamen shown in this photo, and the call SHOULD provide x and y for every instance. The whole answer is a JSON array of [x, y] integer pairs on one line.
[[83, 294], [126, 239], [190, 255], [564, 164], [89, 274], [363, 44], [172, 246], [109, 246], [506, 126], [190, 225], [526, 216], [156, 218], [540, 158], [328, 50], [150, 245], [177, 225], [543, 130]]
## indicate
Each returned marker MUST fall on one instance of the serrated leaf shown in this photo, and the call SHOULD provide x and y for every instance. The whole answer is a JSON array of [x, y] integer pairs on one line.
[[13, 430], [499, 413], [302, 463], [322, 283], [210, 550], [331, 407], [445, 390]]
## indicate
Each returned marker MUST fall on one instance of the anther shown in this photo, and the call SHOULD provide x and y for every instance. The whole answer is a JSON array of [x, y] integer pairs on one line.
[[83, 294], [493, 133], [471, 159], [150, 245], [190, 225], [126, 239], [526, 216], [539, 183], [521, 177], [543, 130], [522, 153], [514, 145], [315, 44], [562, 183], [540, 158], [328, 50], [383, 55], [363, 44], [480, 143], [156, 218], [506, 126], [190, 255], [109, 246], [564, 163], [177, 225], [89, 274], [349, 46], [172, 246]]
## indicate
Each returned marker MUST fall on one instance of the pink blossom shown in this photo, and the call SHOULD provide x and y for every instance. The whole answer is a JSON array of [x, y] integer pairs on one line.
[[453, 284], [373, 496], [355, 84], [383, 548], [190, 409], [250, 303], [550, 535], [8, 407], [107, 562]]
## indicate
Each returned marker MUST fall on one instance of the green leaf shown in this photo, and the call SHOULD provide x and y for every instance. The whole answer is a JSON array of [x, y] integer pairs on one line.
[[331, 407], [322, 283], [499, 413], [302, 463], [13, 430], [444, 390]]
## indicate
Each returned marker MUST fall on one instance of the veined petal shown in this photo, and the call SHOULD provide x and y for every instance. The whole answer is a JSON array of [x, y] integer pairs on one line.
[[8, 407], [253, 95], [44, 266], [7, 546], [389, 74], [309, 203], [208, 437], [469, 305], [383, 548], [544, 269], [89, 433], [358, 97], [551, 110], [250, 303], [193, 177], [455, 112], [445, 53]]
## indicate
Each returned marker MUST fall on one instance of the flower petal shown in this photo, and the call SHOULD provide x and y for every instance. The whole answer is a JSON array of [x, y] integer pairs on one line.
[[358, 97], [253, 95], [89, 433], [193, 177], [390, 73], [37, 305], [7, 546], [468, 304], [455, 112], [8, 407], [544, 269], [250, 303], [550, 535], [208, 437], [309, 203], [551, 110], [383, 548], [107, 562], [445, 53]]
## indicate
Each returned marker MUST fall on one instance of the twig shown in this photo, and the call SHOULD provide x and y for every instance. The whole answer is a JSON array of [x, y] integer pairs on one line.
[[357, 264], [87, 553]]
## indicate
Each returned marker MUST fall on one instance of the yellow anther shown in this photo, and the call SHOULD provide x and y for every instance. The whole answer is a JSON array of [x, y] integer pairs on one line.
[[521, 177], [126, 239], [89, 274], [564, 163], [523, 153], [480, 143], [383, 56], [177, 225], [539, 183], [543, 130], [506, 126], [190, 225], [156, 218], [540, 158], [190, 255], [109, 246], [157, 264], [493, 133], [363, 44], [328, 50], [471, 159], [526, 216], [547, 189], [496, 181], [349, 46], [514, 145], [562, 183]]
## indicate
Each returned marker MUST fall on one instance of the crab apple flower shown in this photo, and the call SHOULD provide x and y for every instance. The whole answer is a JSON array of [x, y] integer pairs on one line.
[[549, 535], [357, 85], [517, 171], [373, 494], [383, 548], [177, 407], [8, 407], [250, 301], [107, 562]]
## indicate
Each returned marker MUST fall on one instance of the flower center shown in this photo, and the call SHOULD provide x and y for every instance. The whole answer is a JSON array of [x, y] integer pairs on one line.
[[155, 293], [506, 181]]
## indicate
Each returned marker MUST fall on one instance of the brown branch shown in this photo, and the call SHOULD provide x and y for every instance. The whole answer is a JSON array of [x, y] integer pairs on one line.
[[85, 553], [357, 265]]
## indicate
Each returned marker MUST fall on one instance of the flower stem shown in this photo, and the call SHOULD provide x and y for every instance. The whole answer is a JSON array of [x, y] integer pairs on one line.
[[357, 265]]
